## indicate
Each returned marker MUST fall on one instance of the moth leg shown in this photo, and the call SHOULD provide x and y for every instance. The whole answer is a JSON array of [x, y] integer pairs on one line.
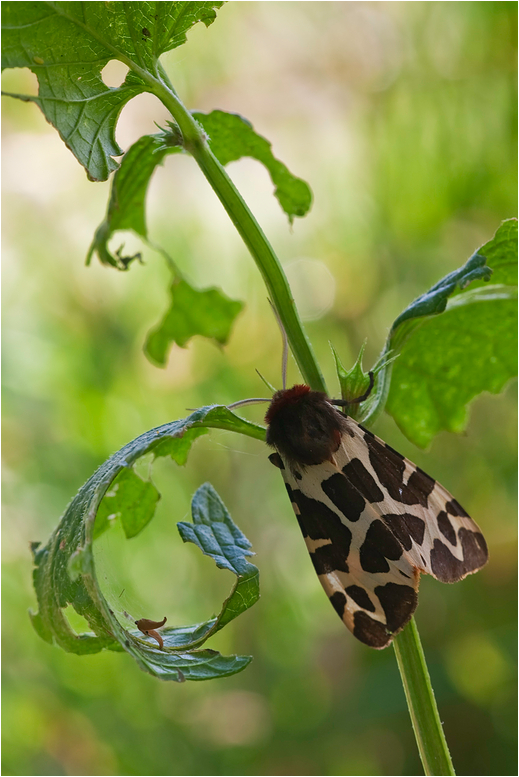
[[367, 392], [346, 402]]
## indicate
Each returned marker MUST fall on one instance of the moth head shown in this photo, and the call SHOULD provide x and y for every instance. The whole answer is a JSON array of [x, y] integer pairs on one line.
[[304, 426]]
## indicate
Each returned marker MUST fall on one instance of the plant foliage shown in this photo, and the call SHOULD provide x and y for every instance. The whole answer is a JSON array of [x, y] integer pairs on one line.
[[65, 572], [449, 345]]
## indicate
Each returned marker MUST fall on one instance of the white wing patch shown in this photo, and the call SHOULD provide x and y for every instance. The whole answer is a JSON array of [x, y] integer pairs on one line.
[[372, 522]]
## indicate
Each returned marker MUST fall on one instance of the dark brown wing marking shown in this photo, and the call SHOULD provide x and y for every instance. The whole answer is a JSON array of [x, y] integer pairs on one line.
[[380, 545], [390, 467]]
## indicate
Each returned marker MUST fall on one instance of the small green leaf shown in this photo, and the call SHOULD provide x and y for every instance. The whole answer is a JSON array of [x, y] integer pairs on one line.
[[126, 207], [67, 45], [190, 665], [232, 137], [209, 313], [132, 499], [217, 536], [64, 570], [178, 448]]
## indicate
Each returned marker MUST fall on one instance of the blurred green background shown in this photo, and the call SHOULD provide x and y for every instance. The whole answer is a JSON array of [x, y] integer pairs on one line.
[[402, 118]]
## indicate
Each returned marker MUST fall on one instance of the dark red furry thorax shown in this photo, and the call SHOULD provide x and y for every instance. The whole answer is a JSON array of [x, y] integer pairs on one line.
[[284, 398]]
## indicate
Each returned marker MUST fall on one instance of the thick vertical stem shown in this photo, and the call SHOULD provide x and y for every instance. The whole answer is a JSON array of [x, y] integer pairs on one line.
[[427, 726]]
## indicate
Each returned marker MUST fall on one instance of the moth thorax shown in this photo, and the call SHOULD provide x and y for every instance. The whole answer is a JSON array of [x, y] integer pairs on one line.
[[304, 427]]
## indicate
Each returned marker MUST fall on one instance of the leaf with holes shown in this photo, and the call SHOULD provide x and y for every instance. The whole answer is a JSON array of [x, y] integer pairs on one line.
[[67, 45], [232, 137]]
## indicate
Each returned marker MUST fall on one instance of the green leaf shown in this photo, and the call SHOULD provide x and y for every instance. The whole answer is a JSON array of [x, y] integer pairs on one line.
[[451, 359], [64, 570], [132, 499], [126, 207], [446, 360], [501, 253], [209, 313], [232, 137], [420, 360], [435, 300], [67, 45], [217, 536], [178, 448]]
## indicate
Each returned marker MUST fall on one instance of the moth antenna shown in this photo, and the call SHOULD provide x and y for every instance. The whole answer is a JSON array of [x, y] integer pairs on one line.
[[284, 362], [241, 402], [265, 381]]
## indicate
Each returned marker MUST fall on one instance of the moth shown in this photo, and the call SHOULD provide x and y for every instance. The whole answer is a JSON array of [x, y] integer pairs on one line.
[[372, 521]]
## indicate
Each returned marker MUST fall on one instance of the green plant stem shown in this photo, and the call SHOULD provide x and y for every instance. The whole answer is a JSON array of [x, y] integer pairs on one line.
[[252, 234], [411, 662], [427, 726]]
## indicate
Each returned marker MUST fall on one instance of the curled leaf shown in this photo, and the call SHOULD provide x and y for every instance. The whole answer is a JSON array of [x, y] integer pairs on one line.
[[64, 569]]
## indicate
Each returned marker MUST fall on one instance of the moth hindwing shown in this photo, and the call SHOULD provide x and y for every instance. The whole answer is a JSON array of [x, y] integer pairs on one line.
[[372, 520]]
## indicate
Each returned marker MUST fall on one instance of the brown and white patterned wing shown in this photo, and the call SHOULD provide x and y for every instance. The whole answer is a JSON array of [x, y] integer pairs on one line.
[[438, 536], [360, 563]]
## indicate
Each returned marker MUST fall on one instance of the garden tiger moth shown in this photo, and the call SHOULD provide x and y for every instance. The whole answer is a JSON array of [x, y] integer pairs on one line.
[[372, 521]]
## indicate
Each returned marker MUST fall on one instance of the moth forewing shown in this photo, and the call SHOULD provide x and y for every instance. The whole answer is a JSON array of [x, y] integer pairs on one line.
[[374, 603], [436, 533]]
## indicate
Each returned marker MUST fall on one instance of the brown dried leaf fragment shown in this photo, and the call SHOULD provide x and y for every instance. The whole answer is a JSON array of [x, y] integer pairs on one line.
[[148, 627]]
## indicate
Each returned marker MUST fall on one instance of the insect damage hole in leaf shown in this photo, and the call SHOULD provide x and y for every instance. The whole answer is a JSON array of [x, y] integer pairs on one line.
[[114, 73], [232, 137]]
